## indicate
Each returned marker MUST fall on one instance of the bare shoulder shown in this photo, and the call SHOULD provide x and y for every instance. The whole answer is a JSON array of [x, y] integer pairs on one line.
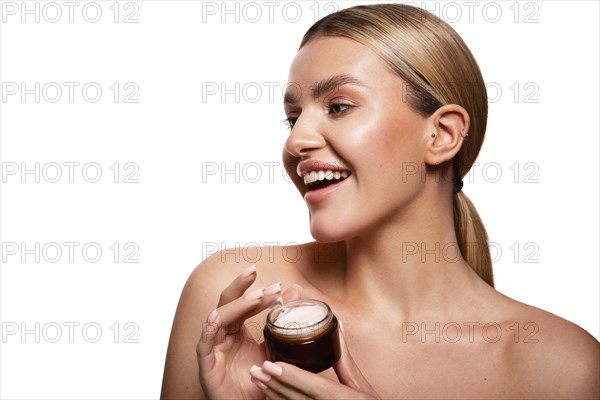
[[200, 295], [559, 357], [273, 264]]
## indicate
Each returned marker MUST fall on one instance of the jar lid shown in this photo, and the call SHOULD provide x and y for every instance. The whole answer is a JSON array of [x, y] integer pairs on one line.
[[300, 319]]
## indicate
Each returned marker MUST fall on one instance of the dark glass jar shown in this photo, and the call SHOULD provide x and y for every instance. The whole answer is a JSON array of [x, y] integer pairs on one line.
[[303, 333]]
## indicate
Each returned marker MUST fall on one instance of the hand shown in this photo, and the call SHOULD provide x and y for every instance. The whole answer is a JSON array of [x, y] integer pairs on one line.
[[285, 381], [227, 348]]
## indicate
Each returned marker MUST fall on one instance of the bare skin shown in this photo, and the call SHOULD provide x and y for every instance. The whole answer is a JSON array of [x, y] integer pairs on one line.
[[416, 325]]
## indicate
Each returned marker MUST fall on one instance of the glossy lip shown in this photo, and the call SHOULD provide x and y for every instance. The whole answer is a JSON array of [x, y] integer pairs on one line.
[[315, 197]]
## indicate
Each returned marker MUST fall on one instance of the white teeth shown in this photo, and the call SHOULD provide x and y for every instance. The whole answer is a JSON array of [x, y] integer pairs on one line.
[[315, 176]]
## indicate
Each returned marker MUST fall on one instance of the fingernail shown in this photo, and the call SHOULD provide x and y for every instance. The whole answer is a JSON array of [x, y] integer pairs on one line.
[[258, 383], [341, 327], [212, 317], [257, 294], [248, 271], [273, 289], [258, 373], [272, 368]]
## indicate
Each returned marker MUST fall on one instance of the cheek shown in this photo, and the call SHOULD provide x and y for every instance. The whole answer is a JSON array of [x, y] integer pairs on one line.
[[381, 145]]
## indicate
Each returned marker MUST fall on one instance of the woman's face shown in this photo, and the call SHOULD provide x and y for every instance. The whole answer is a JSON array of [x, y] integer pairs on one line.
[[349, 117]]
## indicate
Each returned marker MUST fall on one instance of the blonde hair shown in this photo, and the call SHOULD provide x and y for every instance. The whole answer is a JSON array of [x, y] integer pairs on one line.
[[438, 69]]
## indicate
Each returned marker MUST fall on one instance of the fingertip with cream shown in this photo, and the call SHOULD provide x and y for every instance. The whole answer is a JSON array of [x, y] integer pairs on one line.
[[299, 288]]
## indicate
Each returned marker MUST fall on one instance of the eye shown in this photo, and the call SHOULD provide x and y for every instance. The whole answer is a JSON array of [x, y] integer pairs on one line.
[[339, 108], [290, 121]]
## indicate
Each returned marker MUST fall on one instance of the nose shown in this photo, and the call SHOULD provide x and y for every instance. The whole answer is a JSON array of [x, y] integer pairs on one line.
[[304, 137]]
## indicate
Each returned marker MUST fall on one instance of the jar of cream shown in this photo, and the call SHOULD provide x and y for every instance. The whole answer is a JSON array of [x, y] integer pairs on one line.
[[303, 333]]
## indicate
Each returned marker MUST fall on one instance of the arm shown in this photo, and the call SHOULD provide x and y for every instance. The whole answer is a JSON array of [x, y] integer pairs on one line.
[[198, 299], [211, 350]]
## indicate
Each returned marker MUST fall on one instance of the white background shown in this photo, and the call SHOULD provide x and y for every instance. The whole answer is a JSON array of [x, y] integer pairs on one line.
[[178, 131]]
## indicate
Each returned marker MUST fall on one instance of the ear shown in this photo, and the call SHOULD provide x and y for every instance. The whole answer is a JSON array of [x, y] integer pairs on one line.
[[450, 124]]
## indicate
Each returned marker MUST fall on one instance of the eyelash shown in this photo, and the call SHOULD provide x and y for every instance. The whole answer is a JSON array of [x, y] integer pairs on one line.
[[346, 107], [289, 122]]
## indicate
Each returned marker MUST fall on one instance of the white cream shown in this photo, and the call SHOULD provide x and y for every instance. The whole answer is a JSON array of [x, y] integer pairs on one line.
[[302, 333], [300, 317]]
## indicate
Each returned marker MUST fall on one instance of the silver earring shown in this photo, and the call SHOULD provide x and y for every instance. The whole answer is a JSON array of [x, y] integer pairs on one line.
[[433, 134], [464, 135]]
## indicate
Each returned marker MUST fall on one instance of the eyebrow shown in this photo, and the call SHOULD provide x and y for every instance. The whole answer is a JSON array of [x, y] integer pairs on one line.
[[324, 87]]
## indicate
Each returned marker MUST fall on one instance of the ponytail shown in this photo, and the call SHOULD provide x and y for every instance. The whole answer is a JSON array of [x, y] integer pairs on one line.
[[472, 237]]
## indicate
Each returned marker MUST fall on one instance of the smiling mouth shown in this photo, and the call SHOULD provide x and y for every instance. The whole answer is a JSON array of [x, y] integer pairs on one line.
[[315, 180]]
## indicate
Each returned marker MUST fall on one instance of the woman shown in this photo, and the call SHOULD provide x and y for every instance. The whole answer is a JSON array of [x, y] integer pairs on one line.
[[387, 110]]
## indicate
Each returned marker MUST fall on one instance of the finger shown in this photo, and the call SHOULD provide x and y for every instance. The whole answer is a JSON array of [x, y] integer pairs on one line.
[[292, 293], [271, 387], [231, 316], [235, 312], [239, 285], [258, 383], [208, 339], [347, 371], [289, 382]]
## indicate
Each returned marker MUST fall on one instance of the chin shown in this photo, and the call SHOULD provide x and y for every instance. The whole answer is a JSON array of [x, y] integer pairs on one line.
[[328, 232]]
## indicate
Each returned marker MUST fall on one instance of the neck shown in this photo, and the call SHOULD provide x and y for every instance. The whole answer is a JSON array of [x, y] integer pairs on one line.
[[411, 264]]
